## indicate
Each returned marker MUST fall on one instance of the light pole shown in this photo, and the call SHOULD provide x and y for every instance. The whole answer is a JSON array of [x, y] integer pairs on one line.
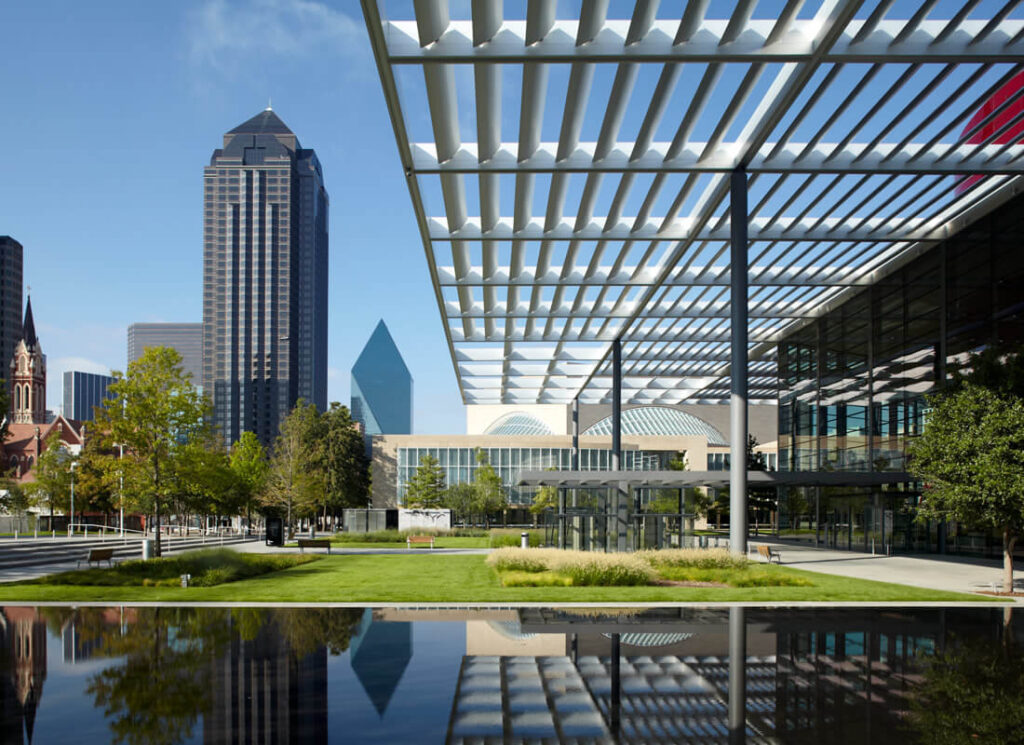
[[120, 488], [71, 523]]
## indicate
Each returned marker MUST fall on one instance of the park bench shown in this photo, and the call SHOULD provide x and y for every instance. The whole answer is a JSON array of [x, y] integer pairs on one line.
[[769, 554], [97, 555], [419, 539], [305, 543]]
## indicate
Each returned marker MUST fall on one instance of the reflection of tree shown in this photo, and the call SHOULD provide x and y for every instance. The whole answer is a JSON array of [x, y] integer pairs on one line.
[[158, 692], [972, 693], [160, 685]]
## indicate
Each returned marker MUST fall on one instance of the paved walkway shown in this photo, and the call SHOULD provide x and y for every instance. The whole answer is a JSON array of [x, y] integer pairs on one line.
[[931, 571]]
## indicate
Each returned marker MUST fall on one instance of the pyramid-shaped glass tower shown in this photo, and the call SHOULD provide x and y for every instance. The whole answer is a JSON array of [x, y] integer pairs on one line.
[[382, 387]]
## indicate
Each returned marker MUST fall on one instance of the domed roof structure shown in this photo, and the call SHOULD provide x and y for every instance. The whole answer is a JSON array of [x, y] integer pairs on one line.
[[659, 420], [518, 423]]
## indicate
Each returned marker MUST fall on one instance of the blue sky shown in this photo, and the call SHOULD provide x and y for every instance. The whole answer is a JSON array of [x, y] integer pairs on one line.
[[111, 110]]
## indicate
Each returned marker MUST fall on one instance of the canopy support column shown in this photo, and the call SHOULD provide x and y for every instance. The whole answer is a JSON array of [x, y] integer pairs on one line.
[[738, 364]]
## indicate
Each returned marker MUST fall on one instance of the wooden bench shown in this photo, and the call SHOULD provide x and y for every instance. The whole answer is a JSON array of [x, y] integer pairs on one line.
[[97, 555], [419, 539], [769, 554], [305, 543]]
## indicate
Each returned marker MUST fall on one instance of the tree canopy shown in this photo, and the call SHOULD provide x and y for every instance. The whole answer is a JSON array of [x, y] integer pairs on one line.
[[156, 414], [971, 458], [426, 488]]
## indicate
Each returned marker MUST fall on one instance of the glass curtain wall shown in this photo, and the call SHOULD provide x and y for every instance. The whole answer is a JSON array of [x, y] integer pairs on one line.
[[460, 464], [852, 385]]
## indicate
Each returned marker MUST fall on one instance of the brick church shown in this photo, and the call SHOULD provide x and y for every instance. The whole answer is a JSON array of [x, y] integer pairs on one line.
[[28, 431]]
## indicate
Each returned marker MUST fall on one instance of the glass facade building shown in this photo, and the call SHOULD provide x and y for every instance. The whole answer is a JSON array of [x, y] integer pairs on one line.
[[185, 338], [264, 278], [852, 383], [11, 266], [83, 392], [382, 387], [460, 464]]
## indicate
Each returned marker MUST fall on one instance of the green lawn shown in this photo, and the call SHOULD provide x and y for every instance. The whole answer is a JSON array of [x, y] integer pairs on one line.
[[425, 578]]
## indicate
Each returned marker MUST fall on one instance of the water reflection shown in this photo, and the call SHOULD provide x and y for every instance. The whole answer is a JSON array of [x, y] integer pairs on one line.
[[667, 675]]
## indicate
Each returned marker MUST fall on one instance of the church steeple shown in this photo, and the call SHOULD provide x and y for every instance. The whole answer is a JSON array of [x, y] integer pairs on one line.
[[28, 326], [28, 376]]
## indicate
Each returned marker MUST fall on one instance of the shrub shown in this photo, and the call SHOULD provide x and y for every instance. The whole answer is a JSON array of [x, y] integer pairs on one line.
[[698, 558], [511, 537], [603, 570], [517, 560], [582, 567], [399, 536], [534, 579], [208, 567]]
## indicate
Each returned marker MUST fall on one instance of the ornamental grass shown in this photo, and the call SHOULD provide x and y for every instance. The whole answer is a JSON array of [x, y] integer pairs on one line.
[[584, 568], [697, 558]]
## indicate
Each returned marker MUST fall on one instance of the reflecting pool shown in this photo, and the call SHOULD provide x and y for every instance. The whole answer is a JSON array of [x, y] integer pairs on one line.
[[664, 675]]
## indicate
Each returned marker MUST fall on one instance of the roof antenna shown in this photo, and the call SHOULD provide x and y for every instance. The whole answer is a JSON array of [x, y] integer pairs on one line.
[[269, 107]]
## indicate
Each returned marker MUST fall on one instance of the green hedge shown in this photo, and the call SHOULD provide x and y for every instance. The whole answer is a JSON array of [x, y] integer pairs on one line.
[[399, 536]]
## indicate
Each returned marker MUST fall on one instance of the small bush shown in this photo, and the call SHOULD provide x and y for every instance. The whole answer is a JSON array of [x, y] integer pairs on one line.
[[582, 567], [510, 537], [699, 558], [208, 567], [534, 579], [604, 570], [510, 559]]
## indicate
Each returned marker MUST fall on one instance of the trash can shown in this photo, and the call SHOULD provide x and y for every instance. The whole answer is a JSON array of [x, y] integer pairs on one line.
[[524, 540], [275, 531], [147, 549]]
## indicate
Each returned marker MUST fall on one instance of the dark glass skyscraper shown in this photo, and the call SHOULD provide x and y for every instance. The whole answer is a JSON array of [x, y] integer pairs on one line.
[[264, 278], [382, 387], [83, 392], [10, 297]]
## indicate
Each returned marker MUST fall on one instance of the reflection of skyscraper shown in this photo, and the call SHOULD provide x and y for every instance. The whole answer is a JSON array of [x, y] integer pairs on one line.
[[263, 692], [23, 644], [382, 387], [379, 653]]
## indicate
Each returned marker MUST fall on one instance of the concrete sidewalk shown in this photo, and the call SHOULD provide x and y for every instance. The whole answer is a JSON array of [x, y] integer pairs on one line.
[[931, 571]]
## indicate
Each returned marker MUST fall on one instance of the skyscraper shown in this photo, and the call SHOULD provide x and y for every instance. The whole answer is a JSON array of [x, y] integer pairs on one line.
[[185, 338], [83, 392], [382, 387], [264, 278], [10, 295]]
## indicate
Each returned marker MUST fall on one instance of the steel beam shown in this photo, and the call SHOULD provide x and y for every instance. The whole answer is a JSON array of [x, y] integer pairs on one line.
[[738, 388]]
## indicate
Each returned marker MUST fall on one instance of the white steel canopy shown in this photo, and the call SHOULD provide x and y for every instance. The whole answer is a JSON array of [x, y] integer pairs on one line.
[[571, 177]]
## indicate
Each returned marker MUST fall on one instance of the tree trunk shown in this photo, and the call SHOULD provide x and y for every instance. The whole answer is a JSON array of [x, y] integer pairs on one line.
[[1009, 540]]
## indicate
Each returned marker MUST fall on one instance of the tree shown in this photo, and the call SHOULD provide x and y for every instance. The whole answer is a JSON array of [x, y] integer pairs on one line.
[[339, 455], [294, 484], [460, 498], [489, 495], [250, 469], [52, 472], [971, 458], [427, 486], [154, 412]]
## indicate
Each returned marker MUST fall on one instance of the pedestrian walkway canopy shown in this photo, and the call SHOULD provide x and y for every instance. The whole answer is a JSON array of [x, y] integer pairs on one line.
[[571, 177], [719, 479]]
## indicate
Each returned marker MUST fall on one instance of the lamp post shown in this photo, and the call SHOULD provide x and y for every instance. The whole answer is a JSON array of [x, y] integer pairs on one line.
[[71, 523], [120, 488]]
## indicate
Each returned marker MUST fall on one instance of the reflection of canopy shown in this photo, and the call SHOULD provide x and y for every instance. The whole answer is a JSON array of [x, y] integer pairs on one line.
[[652, 640], [572, 181]]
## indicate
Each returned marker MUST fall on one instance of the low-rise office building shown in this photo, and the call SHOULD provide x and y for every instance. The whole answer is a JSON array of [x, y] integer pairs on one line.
[[521, 438]]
